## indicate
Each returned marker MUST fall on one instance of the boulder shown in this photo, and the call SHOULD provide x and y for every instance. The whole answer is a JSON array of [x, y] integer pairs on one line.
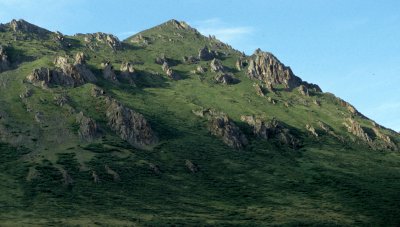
[[226, 78], [216, 65], [88, 130], [206, 54], [130, 125], [200, 69], [170, 73]]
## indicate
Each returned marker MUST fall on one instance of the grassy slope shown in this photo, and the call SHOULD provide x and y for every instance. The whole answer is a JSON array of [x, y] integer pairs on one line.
[[325, 183]]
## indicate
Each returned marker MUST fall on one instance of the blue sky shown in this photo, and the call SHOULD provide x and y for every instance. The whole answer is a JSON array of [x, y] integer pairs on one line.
[[350, 48]]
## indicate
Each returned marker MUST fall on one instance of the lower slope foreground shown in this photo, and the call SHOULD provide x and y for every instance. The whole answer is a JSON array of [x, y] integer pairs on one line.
[[173, 128]]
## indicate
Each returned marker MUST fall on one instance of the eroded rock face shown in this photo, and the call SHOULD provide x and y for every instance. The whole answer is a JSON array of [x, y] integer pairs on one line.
[[108, 39], [355, 128], [130, 125], [266, 67], [303, 90], [88, 130], [240, 64], [223, 127], [272, 129], [383, 141], [4, 62], [311, 130], [65, 74], [206, 54], [25, 27], [259, 90], [226, 78]]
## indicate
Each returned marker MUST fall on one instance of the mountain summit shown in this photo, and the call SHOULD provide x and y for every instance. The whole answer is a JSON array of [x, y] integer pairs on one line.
[[170, 127]]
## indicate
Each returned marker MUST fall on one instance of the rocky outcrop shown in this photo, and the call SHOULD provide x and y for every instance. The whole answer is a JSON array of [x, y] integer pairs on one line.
[[190, 59], [193, 168], [108, 72], [169, 72], [303, 90], [266, 67], [226, 78], [355, 128], [206, 54], [88, 130], [328, 130], [240, 64], [161, 59], [383, 141], [128, 72], [96, 178], [216, 66], [222, 126], [311, 130], [200, 69], [97, 92], [108, 39], [25, 27], [130, 125], [65, 74], [4, 62], [61, 100], [272, 129], [259, 90]]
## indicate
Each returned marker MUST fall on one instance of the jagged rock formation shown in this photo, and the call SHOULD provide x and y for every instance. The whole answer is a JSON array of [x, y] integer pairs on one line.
[[222, 126], [226, 78], [193, 168], [128, 72], [130, 125], [88, 129], [65, 74], [266, 67], [200, 69], [355, 128], [311, 130], [4, 62], [170, 73], [383, 141], [272, 129], [240, 64], [25, 27], [259, 90], [216, 66], [101, 37], [206, 54], [303, 90], [161, 59]]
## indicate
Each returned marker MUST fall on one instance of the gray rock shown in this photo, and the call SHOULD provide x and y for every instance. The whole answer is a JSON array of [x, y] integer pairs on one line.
[[206, 54], [193, 168], [128, 72], [4, 62], [108, 72], [223, 127], [216, 65], [226, 78], [88, 130], [130, 125]]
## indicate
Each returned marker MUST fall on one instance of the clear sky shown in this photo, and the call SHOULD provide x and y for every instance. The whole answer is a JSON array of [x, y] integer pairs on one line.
[[349, 47]]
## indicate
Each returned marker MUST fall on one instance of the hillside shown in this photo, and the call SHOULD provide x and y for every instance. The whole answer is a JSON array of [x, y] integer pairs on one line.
[[170, 127]]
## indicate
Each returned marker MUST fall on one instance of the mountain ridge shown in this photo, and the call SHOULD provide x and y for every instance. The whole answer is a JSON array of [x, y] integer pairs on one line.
[[170, 127]]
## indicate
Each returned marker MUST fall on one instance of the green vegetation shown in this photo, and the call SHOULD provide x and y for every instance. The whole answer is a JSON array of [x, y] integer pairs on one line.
[[326, 182]]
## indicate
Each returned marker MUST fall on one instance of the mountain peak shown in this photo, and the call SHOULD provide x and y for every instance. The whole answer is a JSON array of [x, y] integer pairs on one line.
[[25, 27]]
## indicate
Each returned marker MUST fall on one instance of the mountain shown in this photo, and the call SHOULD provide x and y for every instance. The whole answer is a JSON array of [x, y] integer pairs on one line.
[[170, 127]]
